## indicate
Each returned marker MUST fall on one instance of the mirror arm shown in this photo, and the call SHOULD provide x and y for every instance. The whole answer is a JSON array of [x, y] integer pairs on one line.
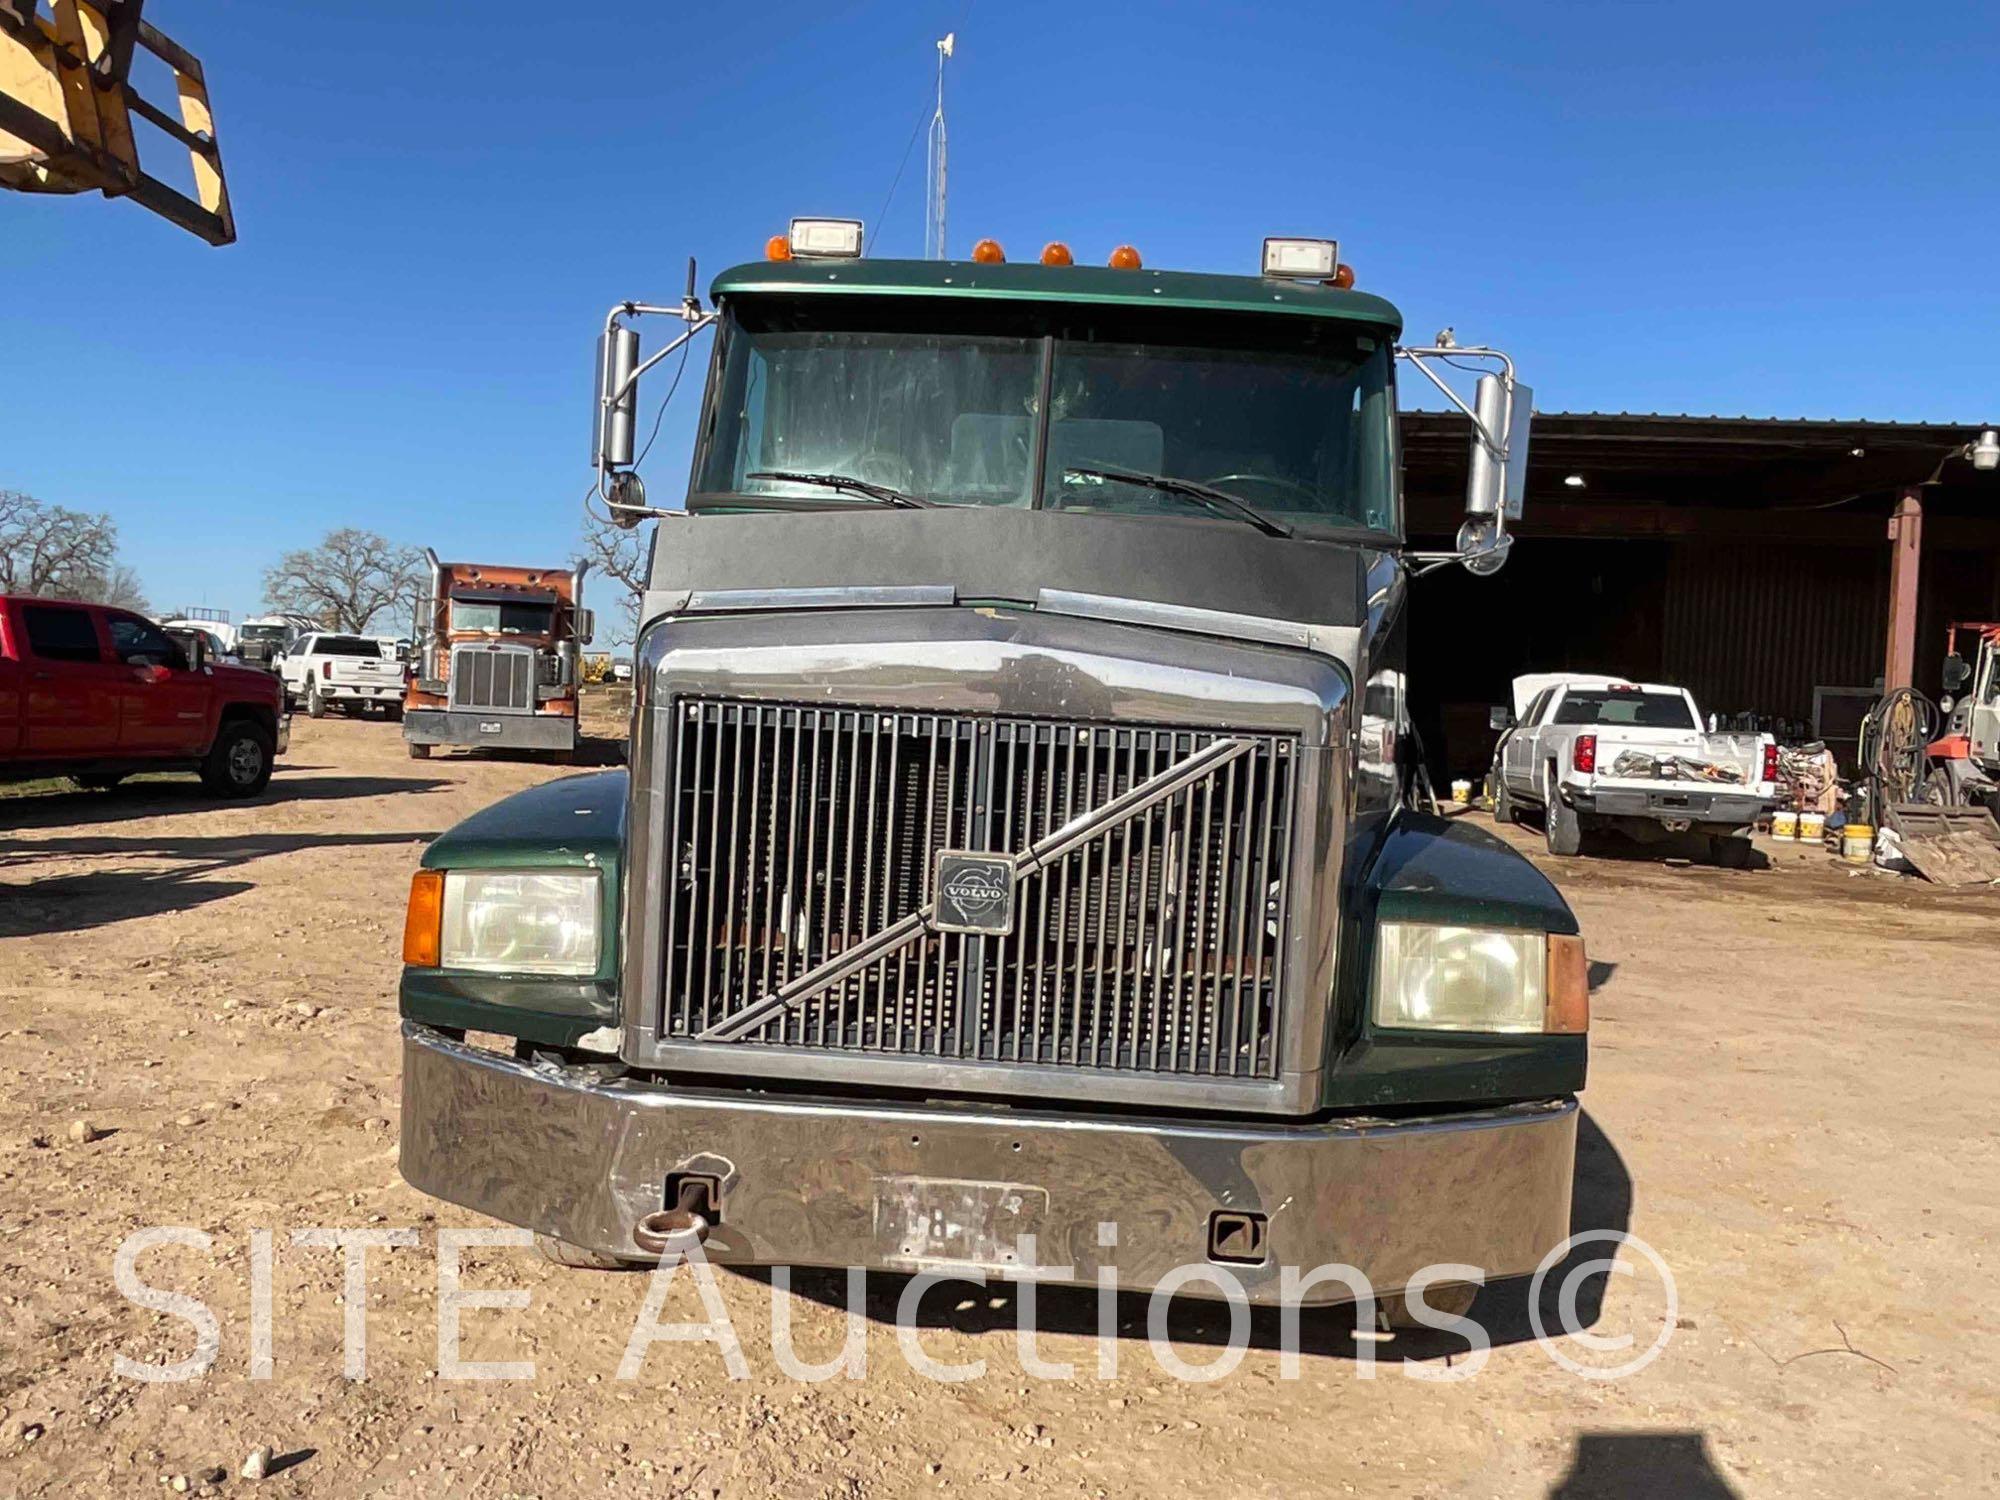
[[690, 311], [1417, 357]]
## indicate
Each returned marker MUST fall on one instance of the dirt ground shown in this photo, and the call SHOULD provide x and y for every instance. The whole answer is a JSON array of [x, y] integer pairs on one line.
[[1791, 1100]]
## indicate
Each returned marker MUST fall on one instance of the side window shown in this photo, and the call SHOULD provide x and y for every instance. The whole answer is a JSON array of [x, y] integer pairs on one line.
[[56, 633], [140, 643]]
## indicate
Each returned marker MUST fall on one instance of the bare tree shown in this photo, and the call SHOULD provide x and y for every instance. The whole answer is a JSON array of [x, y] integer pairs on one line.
[[53, 552], [621, 556], [349, 580]]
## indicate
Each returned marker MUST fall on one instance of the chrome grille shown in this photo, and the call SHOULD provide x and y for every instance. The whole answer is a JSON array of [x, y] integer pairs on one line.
[[800, 832], [502, 681]]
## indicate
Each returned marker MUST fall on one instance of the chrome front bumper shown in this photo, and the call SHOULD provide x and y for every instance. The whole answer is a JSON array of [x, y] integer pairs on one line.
[[582, 1154], [512, 731]]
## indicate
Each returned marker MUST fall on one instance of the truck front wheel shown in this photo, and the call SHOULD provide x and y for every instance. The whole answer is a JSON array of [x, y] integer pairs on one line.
[[239, 762], [1560, 822]]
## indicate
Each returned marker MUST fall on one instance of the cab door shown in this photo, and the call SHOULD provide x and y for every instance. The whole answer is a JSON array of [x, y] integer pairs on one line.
[[1518, 765], [69, 688], [163, 701]]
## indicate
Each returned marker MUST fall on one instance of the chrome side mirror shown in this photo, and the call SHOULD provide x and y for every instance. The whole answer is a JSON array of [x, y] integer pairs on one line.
[[616, 407], [1956, 672], [1497, 476], [1499, 717]]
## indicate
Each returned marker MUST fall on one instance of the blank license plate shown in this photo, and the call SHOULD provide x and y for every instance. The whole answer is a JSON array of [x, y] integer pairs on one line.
[[941, 1221]]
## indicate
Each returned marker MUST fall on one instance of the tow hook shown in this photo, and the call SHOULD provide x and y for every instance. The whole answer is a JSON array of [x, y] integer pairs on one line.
[[671, 1233]]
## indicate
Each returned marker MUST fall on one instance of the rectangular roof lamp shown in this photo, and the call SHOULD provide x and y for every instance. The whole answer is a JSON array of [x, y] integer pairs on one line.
[[826, 239], [1304, 260]]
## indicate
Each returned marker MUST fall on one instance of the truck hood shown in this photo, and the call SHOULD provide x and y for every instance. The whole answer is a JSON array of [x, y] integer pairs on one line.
[[245, 682], [574, 821]]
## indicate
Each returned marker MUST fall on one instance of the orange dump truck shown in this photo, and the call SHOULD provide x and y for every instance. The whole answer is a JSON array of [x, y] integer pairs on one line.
[[498, 658]]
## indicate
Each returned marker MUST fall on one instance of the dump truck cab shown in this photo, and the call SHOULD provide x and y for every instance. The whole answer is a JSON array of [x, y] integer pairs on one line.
[[1018, 836], [497, 661]]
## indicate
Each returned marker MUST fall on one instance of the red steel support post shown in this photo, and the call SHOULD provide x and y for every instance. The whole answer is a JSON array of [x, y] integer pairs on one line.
[[1906, 550]]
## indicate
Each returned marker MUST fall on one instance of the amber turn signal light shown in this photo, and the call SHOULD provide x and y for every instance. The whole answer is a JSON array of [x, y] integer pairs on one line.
[[1056, 253], [424, 921], [988, 253], [1124, 258], [778, 247], [1568, 1008]]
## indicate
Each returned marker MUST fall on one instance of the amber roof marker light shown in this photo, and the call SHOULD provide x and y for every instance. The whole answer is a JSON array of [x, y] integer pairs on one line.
[[778, 247], [1056, 253], [1125, 258], [988, 253]]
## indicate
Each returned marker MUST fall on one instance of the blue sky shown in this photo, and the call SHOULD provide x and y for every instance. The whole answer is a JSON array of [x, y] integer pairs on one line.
[[1766, 208]]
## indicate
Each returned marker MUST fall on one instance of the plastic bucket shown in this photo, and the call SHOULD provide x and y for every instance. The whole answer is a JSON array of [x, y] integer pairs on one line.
[[1857, 843], [1812, 827], [1461, 792], [1784, 825]]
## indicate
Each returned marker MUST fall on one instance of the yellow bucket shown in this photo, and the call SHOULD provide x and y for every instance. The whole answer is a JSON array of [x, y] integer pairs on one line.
[[1784, 825], [1812, 827], [1857, 843]]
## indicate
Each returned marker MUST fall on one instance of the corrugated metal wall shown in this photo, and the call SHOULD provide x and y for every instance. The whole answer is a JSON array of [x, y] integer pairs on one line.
[[1757, 626]]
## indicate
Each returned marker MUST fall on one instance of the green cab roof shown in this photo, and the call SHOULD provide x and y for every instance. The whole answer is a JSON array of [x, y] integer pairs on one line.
[[1033, 282]]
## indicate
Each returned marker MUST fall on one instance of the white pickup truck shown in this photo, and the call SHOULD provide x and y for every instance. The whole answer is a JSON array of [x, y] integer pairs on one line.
[[1597, 752], [348, 672]]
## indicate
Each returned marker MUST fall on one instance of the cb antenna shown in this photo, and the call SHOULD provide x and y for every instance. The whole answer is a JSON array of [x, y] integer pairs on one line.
[[934, 155]]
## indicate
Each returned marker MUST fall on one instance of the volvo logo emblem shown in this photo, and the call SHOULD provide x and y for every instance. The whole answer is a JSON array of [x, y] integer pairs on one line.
[[975, 892]]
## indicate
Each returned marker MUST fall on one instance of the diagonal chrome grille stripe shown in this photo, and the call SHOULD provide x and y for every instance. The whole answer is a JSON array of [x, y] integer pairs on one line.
[[1073, 834]]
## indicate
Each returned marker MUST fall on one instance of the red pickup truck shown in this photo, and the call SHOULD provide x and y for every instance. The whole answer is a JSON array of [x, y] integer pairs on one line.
[[98, 694]]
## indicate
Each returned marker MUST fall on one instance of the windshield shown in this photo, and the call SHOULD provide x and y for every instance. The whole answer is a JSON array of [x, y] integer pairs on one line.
[[1643, 710], [501, 619], [262, 633], [1292, 416]]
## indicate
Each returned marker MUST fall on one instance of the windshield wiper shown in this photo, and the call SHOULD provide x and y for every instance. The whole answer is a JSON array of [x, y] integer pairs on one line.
[[1201, 494], [867, 487]]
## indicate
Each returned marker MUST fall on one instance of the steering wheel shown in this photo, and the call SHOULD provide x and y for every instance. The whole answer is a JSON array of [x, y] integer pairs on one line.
[[1222, 481]]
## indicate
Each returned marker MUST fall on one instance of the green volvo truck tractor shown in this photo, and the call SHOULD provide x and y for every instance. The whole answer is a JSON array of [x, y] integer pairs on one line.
[[1019, 835]]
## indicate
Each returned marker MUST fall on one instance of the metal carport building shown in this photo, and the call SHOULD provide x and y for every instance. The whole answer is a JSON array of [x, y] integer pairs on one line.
[[1747, 559]]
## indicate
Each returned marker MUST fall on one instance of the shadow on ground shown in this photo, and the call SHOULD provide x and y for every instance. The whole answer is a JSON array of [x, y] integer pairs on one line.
[[30, 906], [151, 799], [1602, 1200], [1642, 1466]]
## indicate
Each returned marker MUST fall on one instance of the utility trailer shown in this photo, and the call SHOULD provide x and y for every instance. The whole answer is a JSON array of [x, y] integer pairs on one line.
[[497, 663], [1017, 838]]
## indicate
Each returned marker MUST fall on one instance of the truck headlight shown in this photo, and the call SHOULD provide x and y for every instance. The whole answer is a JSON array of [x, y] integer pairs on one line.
[[1438, 978], [516, 921]]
